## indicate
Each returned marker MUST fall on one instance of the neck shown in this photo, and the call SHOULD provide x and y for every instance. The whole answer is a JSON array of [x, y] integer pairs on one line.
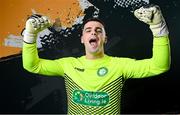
[[94, 56]]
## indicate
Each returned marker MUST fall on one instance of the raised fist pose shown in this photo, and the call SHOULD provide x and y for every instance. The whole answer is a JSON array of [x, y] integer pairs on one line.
[[152, 15], [35, 24], [94, 81]]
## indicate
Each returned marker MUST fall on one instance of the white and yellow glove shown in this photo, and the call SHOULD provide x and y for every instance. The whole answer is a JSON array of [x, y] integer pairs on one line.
[[152, 15], [34, 25]]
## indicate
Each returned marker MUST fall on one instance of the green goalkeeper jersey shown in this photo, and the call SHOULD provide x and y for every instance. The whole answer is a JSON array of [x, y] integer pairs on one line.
[[94, 86]]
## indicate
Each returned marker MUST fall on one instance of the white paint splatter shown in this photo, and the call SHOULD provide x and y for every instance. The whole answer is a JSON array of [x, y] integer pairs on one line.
[[147, 1], [13, 41], [84, 4], [17, 41]]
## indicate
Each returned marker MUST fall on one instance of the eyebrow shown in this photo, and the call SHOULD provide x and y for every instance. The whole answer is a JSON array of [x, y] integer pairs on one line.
[[91, 27]]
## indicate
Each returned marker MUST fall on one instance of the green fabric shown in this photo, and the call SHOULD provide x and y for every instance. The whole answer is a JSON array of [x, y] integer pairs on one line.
[[101, 75]]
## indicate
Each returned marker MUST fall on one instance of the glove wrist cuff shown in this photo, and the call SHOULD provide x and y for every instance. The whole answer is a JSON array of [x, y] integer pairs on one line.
[[29, 37], [160, 29]]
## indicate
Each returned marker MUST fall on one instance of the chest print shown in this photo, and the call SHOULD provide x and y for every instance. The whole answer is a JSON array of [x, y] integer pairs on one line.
[[102, 71]]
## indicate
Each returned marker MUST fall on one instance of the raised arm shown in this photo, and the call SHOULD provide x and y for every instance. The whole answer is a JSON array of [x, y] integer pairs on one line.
[[31, 60], [160, 61]]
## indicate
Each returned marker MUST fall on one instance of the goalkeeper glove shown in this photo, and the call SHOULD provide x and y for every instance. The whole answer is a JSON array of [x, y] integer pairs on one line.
[[152, 16], [34, 25]]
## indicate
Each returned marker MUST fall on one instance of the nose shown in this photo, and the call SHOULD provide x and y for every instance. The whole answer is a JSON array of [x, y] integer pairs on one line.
[[93, 32]]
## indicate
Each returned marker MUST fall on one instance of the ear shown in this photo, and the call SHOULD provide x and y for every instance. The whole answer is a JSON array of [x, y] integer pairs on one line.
[[82, 40], [105, 41]]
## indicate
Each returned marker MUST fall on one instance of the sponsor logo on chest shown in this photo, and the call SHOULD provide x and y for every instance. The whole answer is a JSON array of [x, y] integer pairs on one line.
[[90, 98]]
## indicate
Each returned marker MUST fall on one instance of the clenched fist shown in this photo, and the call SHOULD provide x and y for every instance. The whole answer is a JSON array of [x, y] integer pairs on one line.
[[152, 15], [35, 24]]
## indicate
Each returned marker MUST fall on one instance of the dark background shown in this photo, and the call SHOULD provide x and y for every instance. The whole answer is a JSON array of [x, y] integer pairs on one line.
[[24, 92]]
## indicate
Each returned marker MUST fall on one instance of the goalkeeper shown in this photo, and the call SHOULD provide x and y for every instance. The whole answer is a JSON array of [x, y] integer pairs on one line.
[[94, 81]]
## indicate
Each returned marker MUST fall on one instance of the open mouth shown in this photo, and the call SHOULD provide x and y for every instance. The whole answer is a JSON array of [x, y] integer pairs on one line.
[[93, 42]]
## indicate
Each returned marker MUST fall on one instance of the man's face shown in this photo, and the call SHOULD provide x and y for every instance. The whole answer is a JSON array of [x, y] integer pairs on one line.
[[93, 37]]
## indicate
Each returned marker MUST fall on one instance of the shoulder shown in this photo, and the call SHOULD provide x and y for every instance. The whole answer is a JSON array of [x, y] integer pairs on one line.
[[70, 60], [120, 59]]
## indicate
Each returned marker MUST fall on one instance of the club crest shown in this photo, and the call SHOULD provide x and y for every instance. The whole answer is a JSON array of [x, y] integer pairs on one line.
[[102, 71]]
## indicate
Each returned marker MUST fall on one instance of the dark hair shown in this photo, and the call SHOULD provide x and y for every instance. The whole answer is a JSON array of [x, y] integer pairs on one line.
[[92, 19]]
